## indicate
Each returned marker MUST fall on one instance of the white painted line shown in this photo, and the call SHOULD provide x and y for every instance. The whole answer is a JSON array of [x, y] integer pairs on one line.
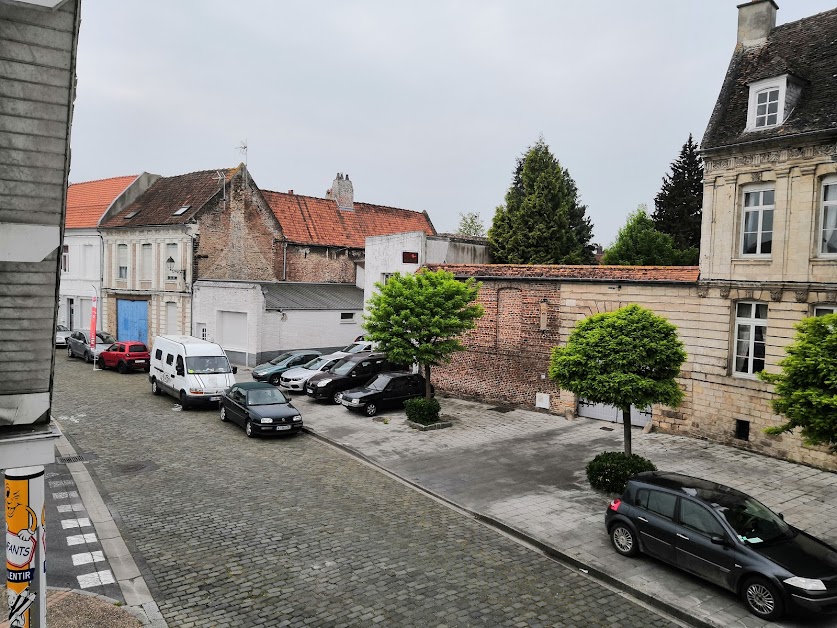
[[71, 507], [95, 579], [79, 539], [65, 495], [86, 558], [82, 522], [57, 483]]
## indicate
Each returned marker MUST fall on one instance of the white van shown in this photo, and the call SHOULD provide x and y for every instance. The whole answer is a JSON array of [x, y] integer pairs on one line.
[[190, 369]]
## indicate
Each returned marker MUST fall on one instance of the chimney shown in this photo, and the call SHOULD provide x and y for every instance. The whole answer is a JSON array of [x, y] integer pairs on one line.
[[342, 192], [755, 21]]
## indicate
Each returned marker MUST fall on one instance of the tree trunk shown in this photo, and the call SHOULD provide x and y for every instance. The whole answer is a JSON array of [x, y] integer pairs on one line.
[[626, 427], [427, 382]]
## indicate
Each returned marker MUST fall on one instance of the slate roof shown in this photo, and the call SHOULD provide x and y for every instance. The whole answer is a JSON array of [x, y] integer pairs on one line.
[[87, 202], [158, 204], [807, 49], [318, 221], [311, 296], [638, 274]]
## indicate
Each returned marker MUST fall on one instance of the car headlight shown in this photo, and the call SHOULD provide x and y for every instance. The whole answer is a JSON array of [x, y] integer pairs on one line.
[[297, 418], [267, 420], [323, 382], [355, 402], [807, 584]]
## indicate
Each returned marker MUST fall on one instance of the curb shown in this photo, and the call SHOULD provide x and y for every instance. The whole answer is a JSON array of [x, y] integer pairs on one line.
[[136, 612], [548, 550]]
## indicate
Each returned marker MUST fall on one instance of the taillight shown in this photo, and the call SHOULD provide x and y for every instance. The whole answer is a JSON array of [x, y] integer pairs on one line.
[[614, 505]]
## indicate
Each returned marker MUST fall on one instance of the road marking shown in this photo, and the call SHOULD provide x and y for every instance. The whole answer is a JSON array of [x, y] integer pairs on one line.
[[78, 539], [82, 522], [65, 495], [57, 483], [95, 579], [71, 507], [85, 558]]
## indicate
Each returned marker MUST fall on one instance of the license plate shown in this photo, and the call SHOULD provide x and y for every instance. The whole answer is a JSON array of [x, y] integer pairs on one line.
[[310, 391], [283, 427], [215, 399], [140, 361]]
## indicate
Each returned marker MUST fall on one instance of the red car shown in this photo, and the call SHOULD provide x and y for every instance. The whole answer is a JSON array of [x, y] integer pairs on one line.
[[126, 356]]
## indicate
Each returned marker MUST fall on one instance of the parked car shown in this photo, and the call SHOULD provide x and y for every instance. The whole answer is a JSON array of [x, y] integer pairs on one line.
[[61, 333], [261, 408], [386, 389], [78, 344], [726, 537], [359, 346], [124, 356], [350, 372], [272, 371], [296, 378], [190, 369]]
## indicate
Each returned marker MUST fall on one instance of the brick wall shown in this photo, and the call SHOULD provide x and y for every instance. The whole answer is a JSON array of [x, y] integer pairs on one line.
[[320, 264]]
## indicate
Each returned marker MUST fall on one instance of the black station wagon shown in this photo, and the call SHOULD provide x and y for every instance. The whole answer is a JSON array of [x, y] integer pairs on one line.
[[726, 537]]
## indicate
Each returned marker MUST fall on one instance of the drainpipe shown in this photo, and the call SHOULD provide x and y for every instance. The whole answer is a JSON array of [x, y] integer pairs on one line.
[[101, 276], [285, 261]]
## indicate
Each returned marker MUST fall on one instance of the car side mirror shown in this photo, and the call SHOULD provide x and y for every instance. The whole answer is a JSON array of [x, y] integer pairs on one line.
[[717, 539], [781, 516], [235, 370]]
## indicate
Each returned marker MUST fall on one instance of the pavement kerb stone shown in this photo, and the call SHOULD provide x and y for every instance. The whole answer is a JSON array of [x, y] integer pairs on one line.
[[546, 549]]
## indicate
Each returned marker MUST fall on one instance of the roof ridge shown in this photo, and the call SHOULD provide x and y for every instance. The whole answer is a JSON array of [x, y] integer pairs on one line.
[[122, 176], [323, 198], [802, 19]]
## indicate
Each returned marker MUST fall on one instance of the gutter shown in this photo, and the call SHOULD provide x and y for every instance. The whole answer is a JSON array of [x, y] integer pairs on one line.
[[766, 141]]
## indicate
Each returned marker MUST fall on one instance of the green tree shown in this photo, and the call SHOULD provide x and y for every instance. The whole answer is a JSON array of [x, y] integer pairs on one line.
[[640, 244], [542, 220], [418, 318], [470, 224], [622, 358], [677, 207], [806, 387]]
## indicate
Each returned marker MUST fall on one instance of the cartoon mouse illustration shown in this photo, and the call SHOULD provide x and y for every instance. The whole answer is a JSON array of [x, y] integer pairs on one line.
[[27, 533]]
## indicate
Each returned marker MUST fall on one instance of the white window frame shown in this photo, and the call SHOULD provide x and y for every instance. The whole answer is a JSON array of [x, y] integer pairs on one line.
[[822, 310], [122, 256], [171, 273], [761, 209], [778, 83], [830, 204], [146, 261], [347, 317], [385, 277], [65, 258], [751, 323]]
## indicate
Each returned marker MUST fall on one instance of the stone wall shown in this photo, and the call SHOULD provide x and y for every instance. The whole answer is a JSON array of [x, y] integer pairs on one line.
[[320, 264]]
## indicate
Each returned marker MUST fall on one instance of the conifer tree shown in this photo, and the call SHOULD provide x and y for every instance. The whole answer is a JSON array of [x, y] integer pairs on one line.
[[677, 207], [542, 220]]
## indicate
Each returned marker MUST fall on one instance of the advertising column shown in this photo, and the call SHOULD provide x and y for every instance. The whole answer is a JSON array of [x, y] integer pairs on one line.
[[25, 547]]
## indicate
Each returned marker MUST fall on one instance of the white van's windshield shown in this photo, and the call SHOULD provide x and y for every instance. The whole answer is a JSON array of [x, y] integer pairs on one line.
[[202, 365]]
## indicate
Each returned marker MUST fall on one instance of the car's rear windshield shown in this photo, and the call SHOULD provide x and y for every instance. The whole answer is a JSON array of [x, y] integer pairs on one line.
[[204, 365], [137, 348]]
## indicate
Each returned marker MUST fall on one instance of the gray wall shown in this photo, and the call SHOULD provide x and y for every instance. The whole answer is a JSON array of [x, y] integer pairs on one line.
[[37, 72]]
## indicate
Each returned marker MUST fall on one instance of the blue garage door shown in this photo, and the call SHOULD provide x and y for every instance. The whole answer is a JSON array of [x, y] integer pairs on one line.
[[132, 320]]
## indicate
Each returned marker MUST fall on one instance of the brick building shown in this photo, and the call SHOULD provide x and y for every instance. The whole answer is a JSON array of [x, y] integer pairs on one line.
[[768, 255], [220, 226]]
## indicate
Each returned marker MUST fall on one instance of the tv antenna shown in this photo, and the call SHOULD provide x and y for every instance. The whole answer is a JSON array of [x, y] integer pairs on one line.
[[242, 149]]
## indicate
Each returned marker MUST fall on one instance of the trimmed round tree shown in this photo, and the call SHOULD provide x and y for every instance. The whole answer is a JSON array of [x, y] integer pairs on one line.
[[622, 358], [417, 319], [806, 387]]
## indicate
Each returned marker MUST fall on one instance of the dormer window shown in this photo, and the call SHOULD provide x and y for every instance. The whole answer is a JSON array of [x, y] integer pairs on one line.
[[769, 103]]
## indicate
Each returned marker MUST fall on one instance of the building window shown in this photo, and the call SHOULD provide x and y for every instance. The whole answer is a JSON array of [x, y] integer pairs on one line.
[[385, 277], [409, 257], [65, 258], [822, 310], [171, 261], [829, 217], [347, 317], [145, 256], [766, 107], [757, 223], [122, 261], [750, 333]]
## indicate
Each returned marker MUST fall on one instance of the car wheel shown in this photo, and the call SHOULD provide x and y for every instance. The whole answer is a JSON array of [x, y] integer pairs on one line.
[[87, 357], [371, 409], [70, 352], [184, 400], [248, 429], [121, 367], [623, 540], [155, 388], [274, 380], [336, 397], [763, 599], [224, 413]]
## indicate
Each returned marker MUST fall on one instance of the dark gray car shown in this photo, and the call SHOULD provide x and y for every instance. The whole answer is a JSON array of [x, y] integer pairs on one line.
[[78, 344]]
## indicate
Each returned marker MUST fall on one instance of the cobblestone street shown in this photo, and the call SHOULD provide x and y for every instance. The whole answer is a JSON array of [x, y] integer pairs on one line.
[[241, 532]]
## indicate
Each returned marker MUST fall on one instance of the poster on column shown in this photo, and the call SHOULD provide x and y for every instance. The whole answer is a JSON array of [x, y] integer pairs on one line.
[[24, 498], [93, 326]]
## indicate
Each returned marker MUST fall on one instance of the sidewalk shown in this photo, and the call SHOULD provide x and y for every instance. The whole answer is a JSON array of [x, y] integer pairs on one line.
[[71, 609], [523, 471]]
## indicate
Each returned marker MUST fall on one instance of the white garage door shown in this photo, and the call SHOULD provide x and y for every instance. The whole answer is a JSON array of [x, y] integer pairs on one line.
[[612, 413], [232, 328]]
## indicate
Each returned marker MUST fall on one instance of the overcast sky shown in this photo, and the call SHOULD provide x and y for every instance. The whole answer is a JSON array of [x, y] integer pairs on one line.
[[425, 104]]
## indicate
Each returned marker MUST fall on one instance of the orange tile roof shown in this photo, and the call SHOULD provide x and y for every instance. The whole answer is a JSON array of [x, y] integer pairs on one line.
[[318, 221], [650, 274], [88, 201]]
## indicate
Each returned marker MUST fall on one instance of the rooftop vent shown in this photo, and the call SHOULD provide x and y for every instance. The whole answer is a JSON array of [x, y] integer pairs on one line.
[[130, 215]]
